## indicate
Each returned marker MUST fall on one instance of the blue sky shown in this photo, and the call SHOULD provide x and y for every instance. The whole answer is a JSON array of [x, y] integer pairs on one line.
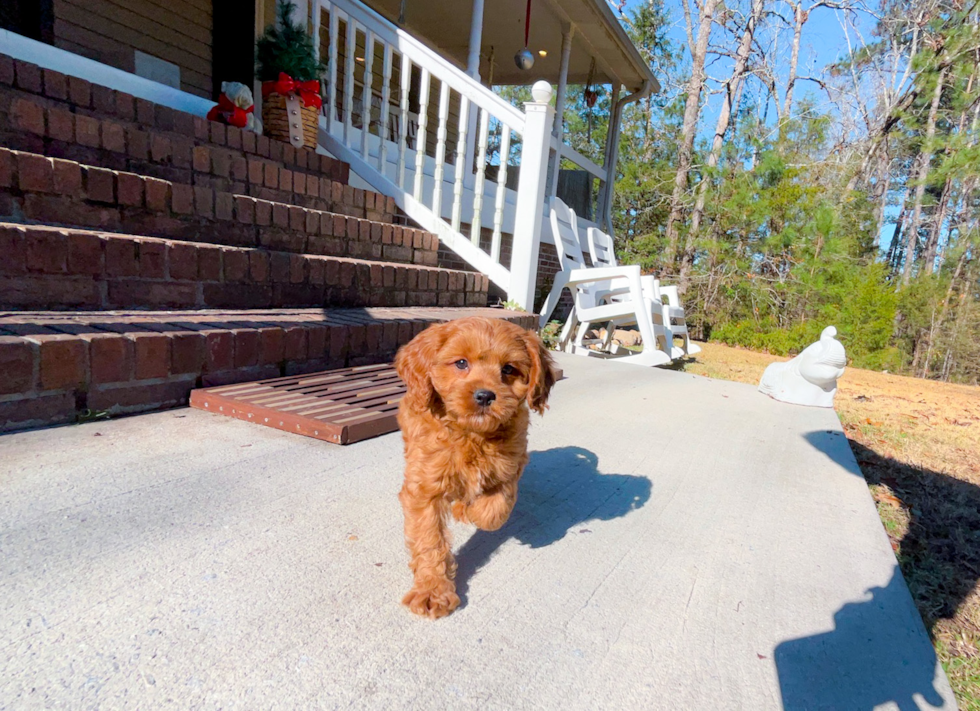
[[823, 42]]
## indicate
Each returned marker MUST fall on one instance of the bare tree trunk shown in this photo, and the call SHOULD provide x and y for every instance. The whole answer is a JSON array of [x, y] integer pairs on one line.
[[800, 16], [880, 195], [733, 89], [944, 310], [932, 243], [692, 110], [893, 258], [925, 158]]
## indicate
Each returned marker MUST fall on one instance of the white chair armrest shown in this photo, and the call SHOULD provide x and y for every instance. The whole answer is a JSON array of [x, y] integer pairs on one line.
[[586, 275]]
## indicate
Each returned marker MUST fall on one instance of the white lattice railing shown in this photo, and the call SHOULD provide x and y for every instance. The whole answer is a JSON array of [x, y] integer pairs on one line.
[[445, 147]]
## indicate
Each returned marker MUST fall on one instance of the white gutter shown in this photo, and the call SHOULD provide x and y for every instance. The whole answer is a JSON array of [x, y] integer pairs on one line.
[[626, 44]]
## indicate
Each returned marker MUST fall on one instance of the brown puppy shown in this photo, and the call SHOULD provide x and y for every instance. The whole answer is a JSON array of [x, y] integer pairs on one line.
[[464, 420]]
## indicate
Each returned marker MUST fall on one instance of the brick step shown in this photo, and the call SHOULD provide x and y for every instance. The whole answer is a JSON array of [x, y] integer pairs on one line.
[[56, 366], [45, 267], [48, 113], [37, 188]]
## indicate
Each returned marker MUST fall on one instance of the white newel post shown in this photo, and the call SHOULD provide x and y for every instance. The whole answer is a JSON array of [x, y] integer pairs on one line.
[[531, 186]]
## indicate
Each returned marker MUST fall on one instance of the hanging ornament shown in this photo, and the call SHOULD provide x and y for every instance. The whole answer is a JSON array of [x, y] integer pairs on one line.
[[591, 96], [524, 59]]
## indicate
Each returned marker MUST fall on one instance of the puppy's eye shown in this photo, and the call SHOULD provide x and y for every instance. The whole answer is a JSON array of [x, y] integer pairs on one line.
[[508, 370], [462, 364]]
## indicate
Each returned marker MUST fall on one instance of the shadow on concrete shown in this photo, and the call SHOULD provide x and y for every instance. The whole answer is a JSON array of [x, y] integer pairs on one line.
[[561, 490], [861, 663], [938, 558]]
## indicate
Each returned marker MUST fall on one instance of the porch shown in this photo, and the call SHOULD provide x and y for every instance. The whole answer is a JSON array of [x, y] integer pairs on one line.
[[652, 562]]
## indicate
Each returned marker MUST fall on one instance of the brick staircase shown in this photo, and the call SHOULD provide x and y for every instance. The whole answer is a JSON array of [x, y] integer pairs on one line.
[[145, 252]]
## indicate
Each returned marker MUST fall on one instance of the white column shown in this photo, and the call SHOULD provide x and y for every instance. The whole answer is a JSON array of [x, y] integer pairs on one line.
[[531, 188], [610, 157], [476, 37], [567, 31]]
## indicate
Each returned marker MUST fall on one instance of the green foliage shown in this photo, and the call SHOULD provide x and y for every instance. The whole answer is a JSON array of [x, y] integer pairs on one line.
[[867, 318], [286, 47], [550, 334]]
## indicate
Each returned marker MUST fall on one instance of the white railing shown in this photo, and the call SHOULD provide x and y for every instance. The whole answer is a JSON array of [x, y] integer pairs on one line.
[[73, 65], [422, 131]]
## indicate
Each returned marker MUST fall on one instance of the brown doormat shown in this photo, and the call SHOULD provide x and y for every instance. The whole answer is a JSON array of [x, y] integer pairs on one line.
[[340, 406]]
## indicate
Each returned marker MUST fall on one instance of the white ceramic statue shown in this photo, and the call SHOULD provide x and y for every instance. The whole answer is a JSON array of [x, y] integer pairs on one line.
[[811, 377]]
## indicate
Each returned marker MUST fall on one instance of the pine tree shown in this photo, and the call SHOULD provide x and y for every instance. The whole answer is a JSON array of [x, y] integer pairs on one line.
[[286, 47]]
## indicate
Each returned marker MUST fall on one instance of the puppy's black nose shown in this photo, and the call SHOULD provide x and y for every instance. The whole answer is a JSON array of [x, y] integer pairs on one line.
[[484, 397]]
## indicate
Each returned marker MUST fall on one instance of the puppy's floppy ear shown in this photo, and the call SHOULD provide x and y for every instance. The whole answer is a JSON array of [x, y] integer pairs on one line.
[[542, 375], [414, 362]]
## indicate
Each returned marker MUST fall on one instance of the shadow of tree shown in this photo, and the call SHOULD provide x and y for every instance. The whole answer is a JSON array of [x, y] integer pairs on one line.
[[938, 556], [561, 488]]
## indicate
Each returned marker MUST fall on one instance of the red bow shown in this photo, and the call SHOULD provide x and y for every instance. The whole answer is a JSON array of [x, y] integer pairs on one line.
[[230, 114], [308, 91]]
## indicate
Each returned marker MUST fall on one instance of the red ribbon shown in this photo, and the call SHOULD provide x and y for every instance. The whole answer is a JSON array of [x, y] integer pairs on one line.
[[230, 114], [308, 91]]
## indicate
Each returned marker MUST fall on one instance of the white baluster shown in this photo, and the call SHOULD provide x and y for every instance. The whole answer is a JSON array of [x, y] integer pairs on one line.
[[350, 48], [420, 136], [498, 210], [367, 93], [481, 175], [464, 122], [385, 101], [332, 69], [316, 11], [440, 147], [406, 83]]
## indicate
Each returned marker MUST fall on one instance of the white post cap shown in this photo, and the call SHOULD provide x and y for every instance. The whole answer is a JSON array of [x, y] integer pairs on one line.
[[541, 91]]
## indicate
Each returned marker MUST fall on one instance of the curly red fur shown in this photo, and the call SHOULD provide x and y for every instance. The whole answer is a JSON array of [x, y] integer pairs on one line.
[[463, 458]]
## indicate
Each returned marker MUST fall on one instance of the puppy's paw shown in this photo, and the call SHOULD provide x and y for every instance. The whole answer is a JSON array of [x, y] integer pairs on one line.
[[433, 602]]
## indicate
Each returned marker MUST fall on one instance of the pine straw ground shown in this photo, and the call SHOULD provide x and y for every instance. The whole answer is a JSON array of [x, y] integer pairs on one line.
[[918, 444]]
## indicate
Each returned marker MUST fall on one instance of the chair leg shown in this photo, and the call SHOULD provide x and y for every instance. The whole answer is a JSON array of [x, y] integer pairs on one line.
[[554, 296], [566, 332], [607, 341]]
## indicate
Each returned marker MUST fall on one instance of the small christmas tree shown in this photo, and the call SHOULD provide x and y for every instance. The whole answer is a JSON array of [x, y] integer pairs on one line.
[[286, 47]]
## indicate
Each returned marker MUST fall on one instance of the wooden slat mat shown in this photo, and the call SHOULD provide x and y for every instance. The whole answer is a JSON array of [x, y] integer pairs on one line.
[[340, 406]]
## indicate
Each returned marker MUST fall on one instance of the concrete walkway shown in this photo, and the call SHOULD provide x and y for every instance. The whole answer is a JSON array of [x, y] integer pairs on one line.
[[679, 543]]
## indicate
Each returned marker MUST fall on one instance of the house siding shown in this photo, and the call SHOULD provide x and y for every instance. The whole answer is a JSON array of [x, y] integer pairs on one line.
[[109, 31]]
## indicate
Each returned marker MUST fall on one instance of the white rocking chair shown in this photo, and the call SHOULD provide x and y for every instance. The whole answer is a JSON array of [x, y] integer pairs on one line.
[[673, 318], [591, 289]]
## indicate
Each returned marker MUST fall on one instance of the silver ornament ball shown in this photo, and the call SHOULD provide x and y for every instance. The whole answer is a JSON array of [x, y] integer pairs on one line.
[[524, 59]]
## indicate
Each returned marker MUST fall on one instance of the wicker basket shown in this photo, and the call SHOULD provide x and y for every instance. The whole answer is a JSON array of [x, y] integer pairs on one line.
[[275, 120]]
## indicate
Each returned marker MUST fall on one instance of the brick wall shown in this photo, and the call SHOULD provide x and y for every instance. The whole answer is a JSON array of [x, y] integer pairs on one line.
[[49, 268], [63, 192], [45, 112]]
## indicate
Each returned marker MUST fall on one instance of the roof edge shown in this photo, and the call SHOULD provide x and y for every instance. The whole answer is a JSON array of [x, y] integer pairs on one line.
[[601, 7]]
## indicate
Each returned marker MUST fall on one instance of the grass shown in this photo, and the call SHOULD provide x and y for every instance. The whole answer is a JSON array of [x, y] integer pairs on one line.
[[918, 445]]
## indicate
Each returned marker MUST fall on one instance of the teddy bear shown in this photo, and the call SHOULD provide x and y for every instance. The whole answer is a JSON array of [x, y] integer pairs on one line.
[[236, 107]]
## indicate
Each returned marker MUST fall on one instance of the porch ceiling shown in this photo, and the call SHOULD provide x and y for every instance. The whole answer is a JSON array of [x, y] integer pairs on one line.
[[445, 24]]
